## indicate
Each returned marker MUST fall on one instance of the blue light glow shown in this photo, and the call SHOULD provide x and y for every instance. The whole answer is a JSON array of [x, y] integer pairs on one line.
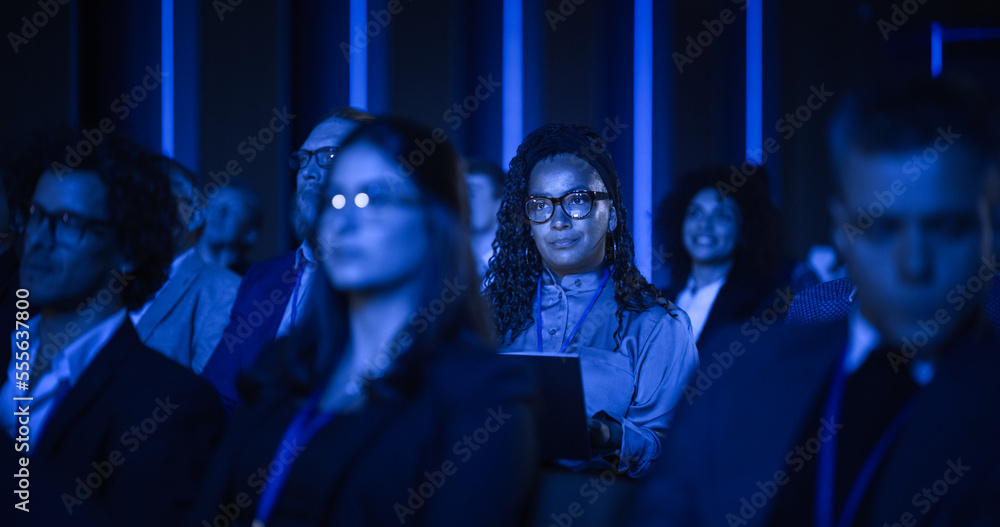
[[167, 87], [513, 79], [642, 106], [755, 79], [359, 58]]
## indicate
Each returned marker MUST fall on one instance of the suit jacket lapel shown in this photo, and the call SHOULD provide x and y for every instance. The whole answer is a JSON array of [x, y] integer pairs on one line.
[[767, 426], [92, 383], [172, 292], [953, 423]]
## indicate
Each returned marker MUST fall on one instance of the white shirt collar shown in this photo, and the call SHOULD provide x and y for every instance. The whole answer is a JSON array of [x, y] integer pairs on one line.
[[862, 338], [73, 360]]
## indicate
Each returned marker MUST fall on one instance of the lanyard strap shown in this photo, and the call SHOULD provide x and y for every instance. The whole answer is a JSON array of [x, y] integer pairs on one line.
[[827, 456], [579, 323], [303, 427]]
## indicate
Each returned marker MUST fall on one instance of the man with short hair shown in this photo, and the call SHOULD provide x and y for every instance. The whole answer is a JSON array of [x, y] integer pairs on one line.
[[272, 294], [232, 225], [186, 317], [116, 433], [888, 417], [485, 180]]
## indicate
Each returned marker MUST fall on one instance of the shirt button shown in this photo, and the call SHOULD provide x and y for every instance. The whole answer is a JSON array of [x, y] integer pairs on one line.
[[578, 283], [552, 332]]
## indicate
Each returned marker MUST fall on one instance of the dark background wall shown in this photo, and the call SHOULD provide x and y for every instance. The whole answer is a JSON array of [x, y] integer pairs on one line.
[[236, 65]]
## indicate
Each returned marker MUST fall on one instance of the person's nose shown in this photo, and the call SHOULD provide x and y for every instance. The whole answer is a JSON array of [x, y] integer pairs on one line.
[[915, 259], [560, 220]]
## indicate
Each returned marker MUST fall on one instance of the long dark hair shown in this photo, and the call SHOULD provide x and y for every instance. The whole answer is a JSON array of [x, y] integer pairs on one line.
[[759, 245], [516, 264], [314, 350]]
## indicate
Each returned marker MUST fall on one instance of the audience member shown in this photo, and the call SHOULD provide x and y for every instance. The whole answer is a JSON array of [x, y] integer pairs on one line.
[[116, 433], [367, 404], [271, 297], [726, 243], [485, 180], [563, 280], [186, 317], [232, 224], [885, 418]]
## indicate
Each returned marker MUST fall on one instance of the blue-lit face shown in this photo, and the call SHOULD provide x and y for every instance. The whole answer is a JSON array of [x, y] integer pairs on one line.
[[711, 227], [373, 225], [310, 179], [567, 245], [909, 254], [62, 273]]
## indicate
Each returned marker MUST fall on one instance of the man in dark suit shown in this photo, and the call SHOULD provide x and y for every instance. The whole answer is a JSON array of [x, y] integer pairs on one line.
[[888, 417], [107, 431], [273, 292]]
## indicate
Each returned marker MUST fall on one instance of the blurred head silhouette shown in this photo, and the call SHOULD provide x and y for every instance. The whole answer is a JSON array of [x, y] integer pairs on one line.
[[916, 172]]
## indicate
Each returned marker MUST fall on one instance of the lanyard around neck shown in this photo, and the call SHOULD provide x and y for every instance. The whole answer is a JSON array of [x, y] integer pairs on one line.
[[303, 427], [579, 323], [826, 477]]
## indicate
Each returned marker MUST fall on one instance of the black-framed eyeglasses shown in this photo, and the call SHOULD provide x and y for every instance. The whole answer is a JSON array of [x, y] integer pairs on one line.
[[64, 227], [324, 157], [576, 205]]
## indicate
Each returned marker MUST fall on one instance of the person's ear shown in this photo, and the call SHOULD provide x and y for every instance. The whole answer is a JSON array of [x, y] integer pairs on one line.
[[839, 226], [196, 220], [249, 238], [612, 219]]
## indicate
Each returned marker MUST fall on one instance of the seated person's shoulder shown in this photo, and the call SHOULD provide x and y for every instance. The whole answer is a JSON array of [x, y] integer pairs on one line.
[[467, 368]]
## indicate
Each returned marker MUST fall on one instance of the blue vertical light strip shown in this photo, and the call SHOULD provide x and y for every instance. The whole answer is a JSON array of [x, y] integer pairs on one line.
[[642, 141], [755, 79], [359, 58], [513, 79], [167, 86], [936, 61]]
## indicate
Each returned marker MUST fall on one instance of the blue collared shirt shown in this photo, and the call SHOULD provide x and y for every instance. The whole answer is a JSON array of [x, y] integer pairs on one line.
[[67, 366], [637, 385]]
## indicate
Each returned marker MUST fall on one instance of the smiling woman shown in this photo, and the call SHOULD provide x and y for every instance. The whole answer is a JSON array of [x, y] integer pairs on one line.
[[563, 280]]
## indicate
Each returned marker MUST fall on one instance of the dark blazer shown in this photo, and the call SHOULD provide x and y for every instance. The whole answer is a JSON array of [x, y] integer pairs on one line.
[[739, 299], [127, 445], [444, 442], [253, 323], [737, 430], [9, 282]]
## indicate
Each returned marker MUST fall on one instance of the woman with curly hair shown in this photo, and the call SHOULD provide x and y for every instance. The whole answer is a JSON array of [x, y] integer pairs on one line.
[[563, 280], [726, 238]]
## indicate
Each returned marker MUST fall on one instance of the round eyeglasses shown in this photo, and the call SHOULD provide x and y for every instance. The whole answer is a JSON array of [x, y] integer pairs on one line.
[[577, 205]]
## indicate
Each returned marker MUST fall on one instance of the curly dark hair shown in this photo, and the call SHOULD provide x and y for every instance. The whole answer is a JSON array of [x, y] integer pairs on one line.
[[758, 250], [139, 201], [516, 264]]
